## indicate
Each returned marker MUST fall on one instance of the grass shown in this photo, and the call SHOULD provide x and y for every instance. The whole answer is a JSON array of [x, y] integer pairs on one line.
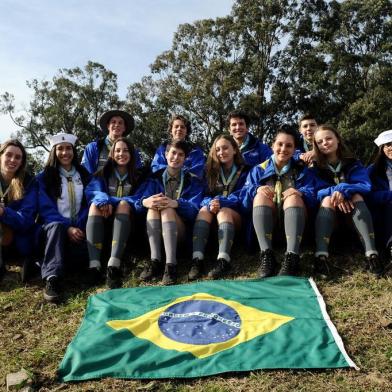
[[35, 334]]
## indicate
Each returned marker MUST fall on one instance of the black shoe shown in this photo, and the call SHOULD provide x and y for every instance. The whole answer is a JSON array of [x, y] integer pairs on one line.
[[221, 268], [152, 269], [196, 269], [113, 277], [267, 263], [94, 277], [373, 264], [170, 275], [290, 265], [322, 266], [52, 289]]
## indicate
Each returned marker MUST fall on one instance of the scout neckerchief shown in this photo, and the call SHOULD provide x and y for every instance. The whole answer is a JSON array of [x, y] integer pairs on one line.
[[336, 171], [120, 183], [307, 146], [108, 143], [71, 191], [166, 177], [226, 181], [278, 184], [3, 194], [244, 143]]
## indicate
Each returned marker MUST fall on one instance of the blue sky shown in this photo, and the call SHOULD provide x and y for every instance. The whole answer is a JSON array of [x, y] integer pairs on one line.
[[37, 37]]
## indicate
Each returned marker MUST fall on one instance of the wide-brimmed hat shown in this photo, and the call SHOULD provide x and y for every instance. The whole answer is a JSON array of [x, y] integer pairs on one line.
[[383, 138], [105, 118], [62, 138]]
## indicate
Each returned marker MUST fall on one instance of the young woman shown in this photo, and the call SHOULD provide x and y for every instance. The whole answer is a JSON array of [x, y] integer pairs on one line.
[[342, 186], [380, 198], [226, 175], [172, 197], [18, 203], [111, 198], [279, 186], [179, 130], [63, 210]]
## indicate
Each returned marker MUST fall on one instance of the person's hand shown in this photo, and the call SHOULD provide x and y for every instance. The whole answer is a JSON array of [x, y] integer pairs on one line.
[[267, 191], [106, 210], [308, 157], [75, 234], [337, 198], [291, 192], [214, 206], [167, 202], [155, 202], [346, 206]]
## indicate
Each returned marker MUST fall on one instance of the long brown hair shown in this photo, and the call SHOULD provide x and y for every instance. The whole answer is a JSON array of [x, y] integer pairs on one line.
[[213, 164], [16, 188]]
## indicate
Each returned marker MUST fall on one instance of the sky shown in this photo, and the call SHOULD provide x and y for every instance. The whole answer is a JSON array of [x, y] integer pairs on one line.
[[38, 37]]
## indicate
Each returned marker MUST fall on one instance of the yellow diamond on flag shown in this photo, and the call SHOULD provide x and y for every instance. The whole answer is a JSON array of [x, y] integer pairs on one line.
[[201, 324]]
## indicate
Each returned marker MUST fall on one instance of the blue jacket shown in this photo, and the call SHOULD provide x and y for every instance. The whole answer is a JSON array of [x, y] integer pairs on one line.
[[233, 200], [255, 152], [91, 155], [305, 182], [380, 187], [300, 150], [355, 180], [189, 200], [47, 207], [194, 162]]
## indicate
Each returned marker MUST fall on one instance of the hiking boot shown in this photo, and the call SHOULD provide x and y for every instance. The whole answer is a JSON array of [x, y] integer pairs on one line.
[[196, 269], [322, 266], [373, 264], [170, 275], [290, 265], [221, 268], [94, 276], [52, 289], [152, 269], [267, 264], [113, 277]]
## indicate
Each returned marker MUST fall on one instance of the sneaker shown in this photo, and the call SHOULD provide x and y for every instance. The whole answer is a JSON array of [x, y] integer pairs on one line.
[[95, 276], [267, 264], [221, 268], [196, 269], [322, 266], [114, 277], [290, 265], [373, 264], [52, 290], [152, 269], [170, 275]]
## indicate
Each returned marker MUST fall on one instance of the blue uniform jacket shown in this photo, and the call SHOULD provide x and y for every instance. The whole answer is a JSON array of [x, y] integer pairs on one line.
[[380, 187], [91, 155], [233, 200], [356, 180], [300, 150], [194, 162], [189, 200], [255, 152], [47, 208], [305, 182]]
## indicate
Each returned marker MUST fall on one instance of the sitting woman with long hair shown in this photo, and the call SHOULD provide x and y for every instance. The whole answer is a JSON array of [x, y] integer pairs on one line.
[[63, 212], [343, 183], [111, 198], [18, 203], [225, 174]]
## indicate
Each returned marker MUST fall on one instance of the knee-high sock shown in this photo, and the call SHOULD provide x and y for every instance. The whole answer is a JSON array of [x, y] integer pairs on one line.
[[263, 222], [325, 221], [169, 231], [201, 231], [121, 229], [154, 232], [364, 225], [94, 234], [294, 224], [225, 237]]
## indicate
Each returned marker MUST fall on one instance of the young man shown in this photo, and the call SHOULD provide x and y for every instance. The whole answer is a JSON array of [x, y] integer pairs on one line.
[[307, 127], [253, 150]]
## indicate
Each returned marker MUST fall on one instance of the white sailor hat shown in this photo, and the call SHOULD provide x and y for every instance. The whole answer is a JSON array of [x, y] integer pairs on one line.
[[62, 138], [383, 138]]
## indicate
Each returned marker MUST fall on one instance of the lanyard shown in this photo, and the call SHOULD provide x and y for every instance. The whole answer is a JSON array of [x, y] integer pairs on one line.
[[336, 171], [71, 191], [120, 183], [166, 179], [226, 182], [3, 195]]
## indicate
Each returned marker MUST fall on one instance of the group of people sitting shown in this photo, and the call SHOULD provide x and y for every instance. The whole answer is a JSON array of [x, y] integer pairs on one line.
[[72, 210]]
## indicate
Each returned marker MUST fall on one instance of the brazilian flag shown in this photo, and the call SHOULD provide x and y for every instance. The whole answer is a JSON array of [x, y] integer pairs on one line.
[[205, 328]]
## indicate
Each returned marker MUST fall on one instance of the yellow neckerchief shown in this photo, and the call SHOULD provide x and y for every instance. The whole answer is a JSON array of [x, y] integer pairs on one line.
[[120, 183], [71, 191]]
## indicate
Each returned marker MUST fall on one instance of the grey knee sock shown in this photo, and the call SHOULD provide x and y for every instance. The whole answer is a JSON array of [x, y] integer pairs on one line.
[[263, 222], [325, 221], [121, 229], [294, 224], [169, 231], [201, 231], [225, 236], [154, 232], [94, 234], [364, 225]]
